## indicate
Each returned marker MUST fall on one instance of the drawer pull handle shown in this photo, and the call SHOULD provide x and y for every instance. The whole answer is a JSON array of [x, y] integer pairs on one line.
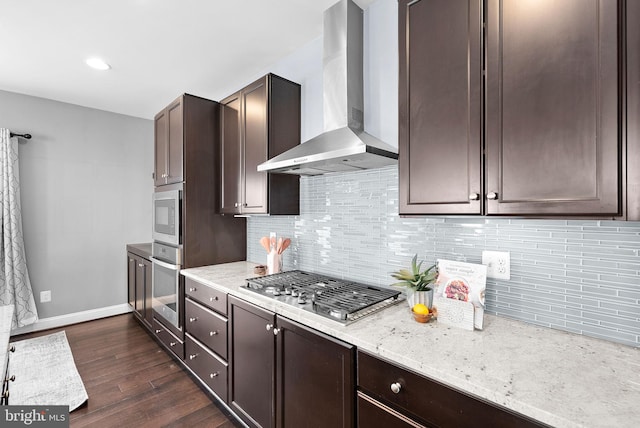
[[172, 344], [276, 331], [269, 327], [212, 375], [213, 299], [158, 331], [396, 387], [193, 356], [192, 289], [193, 319], [213, 333]]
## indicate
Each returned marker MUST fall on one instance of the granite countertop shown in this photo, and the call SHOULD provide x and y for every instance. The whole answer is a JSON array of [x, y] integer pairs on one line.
[[6, 314], [559, 378], [142, 250]]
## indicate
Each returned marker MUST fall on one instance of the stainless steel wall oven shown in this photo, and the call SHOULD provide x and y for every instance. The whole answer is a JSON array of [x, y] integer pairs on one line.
[[167, 288]]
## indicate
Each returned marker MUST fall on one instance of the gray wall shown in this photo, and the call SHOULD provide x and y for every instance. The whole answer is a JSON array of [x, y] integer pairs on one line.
[[86, 192]]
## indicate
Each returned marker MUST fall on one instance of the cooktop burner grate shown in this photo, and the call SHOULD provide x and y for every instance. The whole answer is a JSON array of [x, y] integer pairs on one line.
[[338, 299]]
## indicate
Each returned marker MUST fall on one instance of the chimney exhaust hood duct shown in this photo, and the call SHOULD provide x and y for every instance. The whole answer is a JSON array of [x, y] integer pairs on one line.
[[343, 146]]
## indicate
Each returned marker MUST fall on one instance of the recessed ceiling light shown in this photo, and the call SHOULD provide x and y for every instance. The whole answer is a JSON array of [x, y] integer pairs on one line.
[[98, 64]]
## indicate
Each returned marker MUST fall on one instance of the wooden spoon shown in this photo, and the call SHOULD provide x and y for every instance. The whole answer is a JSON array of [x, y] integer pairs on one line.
[[264, 241], [285, 245]]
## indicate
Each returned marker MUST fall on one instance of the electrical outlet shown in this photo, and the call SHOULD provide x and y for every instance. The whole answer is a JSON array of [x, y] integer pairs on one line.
[[45, 296], [498, 264]]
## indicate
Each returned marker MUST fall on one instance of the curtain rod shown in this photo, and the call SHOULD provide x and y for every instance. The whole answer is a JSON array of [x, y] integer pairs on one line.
[[27, 136]]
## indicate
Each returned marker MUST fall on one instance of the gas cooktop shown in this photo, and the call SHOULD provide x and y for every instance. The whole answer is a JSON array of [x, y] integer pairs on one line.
[[340, 300]]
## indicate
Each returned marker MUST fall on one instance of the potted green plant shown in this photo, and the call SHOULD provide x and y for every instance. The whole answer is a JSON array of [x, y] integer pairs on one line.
[[419, 284]]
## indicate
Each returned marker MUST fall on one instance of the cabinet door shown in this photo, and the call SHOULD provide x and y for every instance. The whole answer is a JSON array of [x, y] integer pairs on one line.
[[160, 148], [553, 142], [148, 312], [440, 107], [315, 378], [252, 363], [131, 280], [633, 111], [254, 119], [231, 155], [175, 142], [140, 283]]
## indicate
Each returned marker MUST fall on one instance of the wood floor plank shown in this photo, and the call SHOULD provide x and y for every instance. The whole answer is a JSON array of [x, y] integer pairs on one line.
[[132, 381]]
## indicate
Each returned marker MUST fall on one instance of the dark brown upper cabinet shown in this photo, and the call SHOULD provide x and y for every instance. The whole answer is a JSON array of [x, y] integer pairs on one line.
[[188, 134], [169, 142], [260, 122], [440, 130], [632, 121], [545, 108]]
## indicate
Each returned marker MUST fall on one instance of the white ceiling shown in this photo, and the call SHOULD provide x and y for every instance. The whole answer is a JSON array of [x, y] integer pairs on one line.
[[158, 49]]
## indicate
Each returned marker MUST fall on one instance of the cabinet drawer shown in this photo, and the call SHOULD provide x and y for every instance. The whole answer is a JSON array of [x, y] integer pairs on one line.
[[372, 413], [216, 300], [169, 339], [206, 326], [429, 400], [210, 369]]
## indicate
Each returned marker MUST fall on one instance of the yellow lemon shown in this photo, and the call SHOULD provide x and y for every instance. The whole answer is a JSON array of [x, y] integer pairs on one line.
[[419, 308]]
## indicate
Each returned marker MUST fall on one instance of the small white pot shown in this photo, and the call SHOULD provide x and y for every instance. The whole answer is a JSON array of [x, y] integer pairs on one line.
[[424, 297]]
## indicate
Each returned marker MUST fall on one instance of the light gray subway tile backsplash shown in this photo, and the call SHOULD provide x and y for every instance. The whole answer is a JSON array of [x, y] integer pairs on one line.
[[581, 276]]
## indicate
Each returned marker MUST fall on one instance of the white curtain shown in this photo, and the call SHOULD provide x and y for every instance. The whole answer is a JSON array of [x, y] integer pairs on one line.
[[15, 287]]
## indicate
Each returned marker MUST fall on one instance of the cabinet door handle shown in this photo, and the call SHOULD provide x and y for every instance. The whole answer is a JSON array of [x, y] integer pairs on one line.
[[492, 195], [193, 356], [213, 299], [140, 265], [212, 375], [12, 348], [474, 197], [192, 289], [396, 387], [193, 319], [172, 344], [276, 331], [269, 326], [235, 205], [213, 333], [158, 331]]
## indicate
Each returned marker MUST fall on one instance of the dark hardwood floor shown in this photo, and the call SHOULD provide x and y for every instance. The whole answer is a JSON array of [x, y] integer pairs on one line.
[[131, 381]]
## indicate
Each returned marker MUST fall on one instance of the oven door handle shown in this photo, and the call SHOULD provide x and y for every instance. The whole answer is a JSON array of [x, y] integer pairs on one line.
[[165, 264]]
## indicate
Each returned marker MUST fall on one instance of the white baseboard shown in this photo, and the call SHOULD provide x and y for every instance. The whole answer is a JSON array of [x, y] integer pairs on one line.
[[62, 320]]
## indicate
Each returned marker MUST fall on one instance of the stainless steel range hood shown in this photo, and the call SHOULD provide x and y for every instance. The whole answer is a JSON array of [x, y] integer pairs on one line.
[[343, 146]]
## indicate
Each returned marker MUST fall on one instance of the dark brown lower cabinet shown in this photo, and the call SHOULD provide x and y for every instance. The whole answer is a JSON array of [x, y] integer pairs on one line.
[[283, 374], [418, 401], [139, 287]]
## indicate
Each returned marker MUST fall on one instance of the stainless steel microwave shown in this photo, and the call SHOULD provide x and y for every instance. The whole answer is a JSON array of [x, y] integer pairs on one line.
[[166, 217]]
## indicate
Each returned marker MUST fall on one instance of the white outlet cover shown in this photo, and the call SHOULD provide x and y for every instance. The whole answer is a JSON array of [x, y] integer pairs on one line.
[[498, 264], [45, 296]]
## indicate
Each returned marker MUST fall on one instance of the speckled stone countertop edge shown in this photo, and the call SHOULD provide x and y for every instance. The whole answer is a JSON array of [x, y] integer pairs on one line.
[[558, 378]]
